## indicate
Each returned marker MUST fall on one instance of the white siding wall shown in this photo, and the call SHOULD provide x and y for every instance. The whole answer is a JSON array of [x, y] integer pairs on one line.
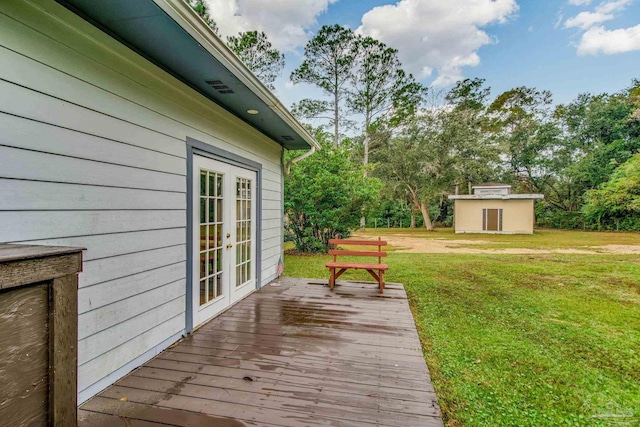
[[92, 154]]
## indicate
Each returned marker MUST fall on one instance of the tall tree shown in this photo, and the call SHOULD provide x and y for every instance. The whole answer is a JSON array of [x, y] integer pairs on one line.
[[380, 88], [521, 127], [421, 161], [328, 63], [256, 52], [469, 95], [201, 8], [465, 124]]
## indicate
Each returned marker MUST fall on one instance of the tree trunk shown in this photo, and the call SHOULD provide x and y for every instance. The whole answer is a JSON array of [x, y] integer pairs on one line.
[[425, 214], [365, 161], [413, 217], [470, 187], [336, 129], [423, 208]]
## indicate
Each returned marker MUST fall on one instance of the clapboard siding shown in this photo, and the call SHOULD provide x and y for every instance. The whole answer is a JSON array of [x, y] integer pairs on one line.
[[271, 233], [271, 220], [93, 154], [95, 321], [37, 166], [96, 82], [275, 205], [48, 138], [22, 195], [109, 245], [105, 269], [93, 371], [272, 195], [38, 106], [270, 185], [271, 242], [120, 289], [97, 344], [23, 226]]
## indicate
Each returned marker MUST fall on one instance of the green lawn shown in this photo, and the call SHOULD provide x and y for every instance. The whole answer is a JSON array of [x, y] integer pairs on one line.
[[541, 239], [521, 340]]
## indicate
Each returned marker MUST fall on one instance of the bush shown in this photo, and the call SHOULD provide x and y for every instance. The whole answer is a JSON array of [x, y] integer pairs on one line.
[[550, 217], [615, 205], [325, 195]]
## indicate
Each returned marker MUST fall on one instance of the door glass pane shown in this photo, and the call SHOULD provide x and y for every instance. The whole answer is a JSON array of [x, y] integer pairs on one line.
[[212, 210], [203, 238], [203, 183], [243, 231], [211, 288], [203, 291], [211, 262], [203, 265]]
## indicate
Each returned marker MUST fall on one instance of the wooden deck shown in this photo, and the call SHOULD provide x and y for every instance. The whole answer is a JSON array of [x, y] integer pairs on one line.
[[292, 354]]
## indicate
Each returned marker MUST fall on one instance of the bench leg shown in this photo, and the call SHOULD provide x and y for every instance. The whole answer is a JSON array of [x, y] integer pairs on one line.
[[381, 281], [332, 278]]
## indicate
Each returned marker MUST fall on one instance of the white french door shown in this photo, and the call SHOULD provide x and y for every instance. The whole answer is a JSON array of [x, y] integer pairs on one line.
[[224, 218]]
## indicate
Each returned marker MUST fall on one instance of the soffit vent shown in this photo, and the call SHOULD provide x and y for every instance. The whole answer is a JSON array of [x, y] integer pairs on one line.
[[219, 86], [287, 137]]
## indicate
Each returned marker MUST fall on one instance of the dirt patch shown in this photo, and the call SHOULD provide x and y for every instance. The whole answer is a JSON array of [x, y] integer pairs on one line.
[[422, 245]]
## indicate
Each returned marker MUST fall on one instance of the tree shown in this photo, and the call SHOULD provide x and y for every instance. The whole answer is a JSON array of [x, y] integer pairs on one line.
[[380, 89], [324, 196], [520, 125], [465, 127], [328, 62], [201, 8], [469, 95], [421, 161], [258, 54], [616, 203]]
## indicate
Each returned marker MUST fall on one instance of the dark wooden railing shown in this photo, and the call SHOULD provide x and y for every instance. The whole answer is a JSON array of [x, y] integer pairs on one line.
[[38, 335]]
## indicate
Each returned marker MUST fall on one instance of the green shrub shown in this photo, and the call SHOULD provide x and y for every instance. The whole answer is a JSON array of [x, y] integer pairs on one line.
[[326, 195]]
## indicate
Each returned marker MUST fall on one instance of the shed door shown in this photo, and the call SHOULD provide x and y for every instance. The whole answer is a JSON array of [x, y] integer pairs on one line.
[[224, 236], [492, 219]]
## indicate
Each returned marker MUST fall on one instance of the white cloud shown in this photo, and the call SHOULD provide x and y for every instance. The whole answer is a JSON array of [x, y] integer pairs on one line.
[[286, 22], [579, 2], [435, 34], [599, 40], [604, 12], [596, 39]]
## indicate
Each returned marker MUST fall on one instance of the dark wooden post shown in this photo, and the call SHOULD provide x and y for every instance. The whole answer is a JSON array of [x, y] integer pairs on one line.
[[39, 334]]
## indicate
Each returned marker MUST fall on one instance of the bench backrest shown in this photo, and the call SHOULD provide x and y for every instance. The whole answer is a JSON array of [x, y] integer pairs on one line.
[[379, 253]]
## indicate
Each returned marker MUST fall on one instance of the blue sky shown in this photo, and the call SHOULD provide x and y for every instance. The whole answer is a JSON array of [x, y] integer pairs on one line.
[[565, 46]]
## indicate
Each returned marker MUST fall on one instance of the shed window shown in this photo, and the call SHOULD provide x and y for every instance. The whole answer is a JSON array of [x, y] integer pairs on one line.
[[492, 219]]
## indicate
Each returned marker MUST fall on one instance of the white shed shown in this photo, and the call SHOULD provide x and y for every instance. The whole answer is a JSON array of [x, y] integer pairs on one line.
[[494, 209], [127, 128]]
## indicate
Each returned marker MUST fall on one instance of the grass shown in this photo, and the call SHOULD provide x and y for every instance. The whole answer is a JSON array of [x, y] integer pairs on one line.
[[541, 239], [522, 340]]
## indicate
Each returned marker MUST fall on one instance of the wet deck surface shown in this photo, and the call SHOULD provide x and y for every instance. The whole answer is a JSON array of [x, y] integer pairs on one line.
[[290, 355]]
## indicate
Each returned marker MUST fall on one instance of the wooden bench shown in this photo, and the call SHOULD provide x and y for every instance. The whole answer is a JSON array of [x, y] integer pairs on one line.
[[376, 270]]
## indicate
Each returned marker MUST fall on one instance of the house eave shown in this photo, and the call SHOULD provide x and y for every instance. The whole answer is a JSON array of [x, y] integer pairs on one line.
[[191, 22], [170, 34]]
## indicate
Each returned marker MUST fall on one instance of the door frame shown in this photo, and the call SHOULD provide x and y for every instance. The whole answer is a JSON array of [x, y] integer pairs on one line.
[[199, 148]]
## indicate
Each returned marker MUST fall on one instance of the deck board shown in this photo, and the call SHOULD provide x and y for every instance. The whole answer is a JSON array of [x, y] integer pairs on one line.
[[294, 354]]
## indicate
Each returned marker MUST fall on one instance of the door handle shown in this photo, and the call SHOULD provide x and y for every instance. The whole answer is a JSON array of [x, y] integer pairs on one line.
[[229, 246]]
